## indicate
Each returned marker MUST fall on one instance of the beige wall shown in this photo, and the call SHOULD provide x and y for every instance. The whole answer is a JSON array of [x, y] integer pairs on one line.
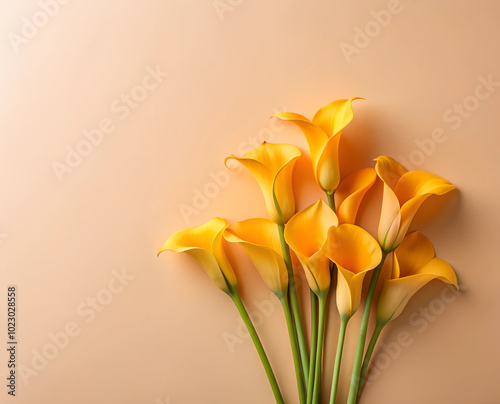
[[158, 330]]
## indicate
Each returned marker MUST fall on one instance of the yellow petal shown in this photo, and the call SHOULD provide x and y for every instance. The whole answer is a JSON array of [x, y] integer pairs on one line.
[[306, 233], [315, 136], [334, 117], [323, 137], [412, 190], [408, 211], [317, 271], [440, 269], [350, 193], [390, 219], [352, 248], [343, 295], [283, 189], [349, 291], [395, 295], [397, 292], [414, 253], [389, 170], [415, 265], [260, 240], [417, 183], [307, 230], [272, 166], [327, 167], [195, 237], [263, 232], [211, 267], [204, 244]]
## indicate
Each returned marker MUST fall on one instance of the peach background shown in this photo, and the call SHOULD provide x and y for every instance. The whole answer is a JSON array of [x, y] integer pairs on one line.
[[161, 338]]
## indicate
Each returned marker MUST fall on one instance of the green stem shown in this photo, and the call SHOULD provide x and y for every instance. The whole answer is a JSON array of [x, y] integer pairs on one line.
[[331, 199], [314, 337], [258, 345], [295, 350], [360, 349], [368, 355], [294, 303], [338, 358], [319, 348]]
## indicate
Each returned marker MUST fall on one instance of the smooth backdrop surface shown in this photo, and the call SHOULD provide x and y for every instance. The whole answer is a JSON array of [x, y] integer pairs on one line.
[[115, 118]]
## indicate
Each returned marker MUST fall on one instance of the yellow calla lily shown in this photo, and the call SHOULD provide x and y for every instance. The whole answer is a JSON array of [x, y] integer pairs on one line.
[[272, 166], [350, 193], [260, 240], [404, 192], [204, 244], [323, 136], [415, 264], [306, 234], [355, 252]]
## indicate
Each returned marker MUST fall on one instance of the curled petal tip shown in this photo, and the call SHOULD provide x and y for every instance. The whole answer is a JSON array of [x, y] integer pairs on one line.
[[232, 156], [161, 250]]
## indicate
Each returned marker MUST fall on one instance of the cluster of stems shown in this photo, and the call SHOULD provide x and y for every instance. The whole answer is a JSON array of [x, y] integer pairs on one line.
[[308, 362]]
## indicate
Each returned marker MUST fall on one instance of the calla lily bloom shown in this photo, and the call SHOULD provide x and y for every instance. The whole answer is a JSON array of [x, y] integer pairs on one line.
[[306, 234], [350, 193], [204, 244], [404, 192], [323, 136], [272, 166], [415, 264], [355, 252], [260, 240]]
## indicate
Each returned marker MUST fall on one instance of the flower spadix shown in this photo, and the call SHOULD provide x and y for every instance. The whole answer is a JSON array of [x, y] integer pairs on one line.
[[306, 234], [260, 240], [404, 192], [272, 166], [323, 136], [414, 265], [355, 252], [205, 244]]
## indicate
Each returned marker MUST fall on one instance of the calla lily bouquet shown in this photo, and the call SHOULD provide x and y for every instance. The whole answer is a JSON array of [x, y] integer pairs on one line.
[[334, 253]]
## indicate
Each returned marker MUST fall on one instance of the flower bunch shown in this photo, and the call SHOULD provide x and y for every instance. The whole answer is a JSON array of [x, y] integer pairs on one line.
[[334, 252]]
